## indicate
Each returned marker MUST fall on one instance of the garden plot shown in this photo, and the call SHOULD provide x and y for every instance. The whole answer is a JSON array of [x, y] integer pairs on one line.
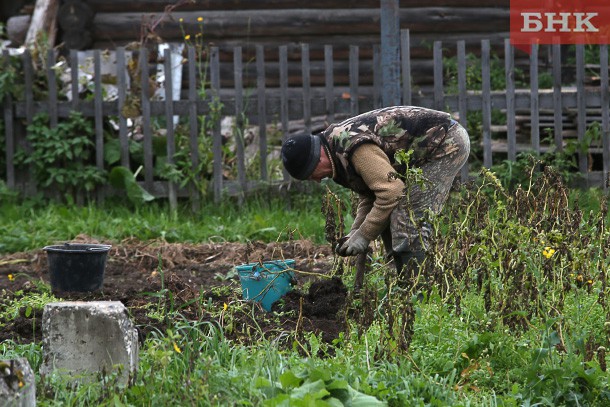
[[156, 280]]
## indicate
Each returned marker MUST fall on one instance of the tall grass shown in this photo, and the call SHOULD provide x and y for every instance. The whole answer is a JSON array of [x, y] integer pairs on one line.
[[32, 225]]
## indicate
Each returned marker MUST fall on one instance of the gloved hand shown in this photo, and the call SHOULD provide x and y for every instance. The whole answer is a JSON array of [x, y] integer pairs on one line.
[[355, 243]]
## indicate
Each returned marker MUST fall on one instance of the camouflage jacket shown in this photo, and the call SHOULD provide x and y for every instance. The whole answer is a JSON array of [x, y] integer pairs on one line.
[[392, 129]]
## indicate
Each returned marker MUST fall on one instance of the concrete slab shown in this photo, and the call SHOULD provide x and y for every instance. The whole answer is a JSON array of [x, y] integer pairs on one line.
[[83, 338], [17, 383]]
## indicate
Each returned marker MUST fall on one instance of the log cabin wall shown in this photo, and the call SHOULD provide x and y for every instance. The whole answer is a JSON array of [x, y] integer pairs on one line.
[[271, 23]]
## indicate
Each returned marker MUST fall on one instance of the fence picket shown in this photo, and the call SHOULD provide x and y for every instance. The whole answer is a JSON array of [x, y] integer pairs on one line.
[[511, 131], [486, 102], [581, 105], [262, 111], [439, 95], [557, 102], [52, 84], [462, 95], [74, 81], [377, 77], [193, 128], [9, 132], [284, 108], [121, 66], [405, 48], [604, 89], [239, 118], [306, 75], [329, 96], [534, 102], [216, 134], [354, 72], [169, 124], [146, 116]]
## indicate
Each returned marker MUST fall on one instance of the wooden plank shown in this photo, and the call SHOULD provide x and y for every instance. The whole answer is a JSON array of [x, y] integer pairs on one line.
[[305, 69], [605, 108], [390, 46], [146, 118], [486, 102], [354, 74], [509, 67], [216, 134], [558, 125], [9, 131], [44, 23], [239, 119], [99, 114], [462, 96], [121, 66], [28, 70], [283, 60], [405, 49], [328, 83], [169, 123], [194, 193], [74, 79], [52, 85], [581, 120], [377, 79], [117, 6], [534, 102], [98, 99], [262, 111], [438, 75], [250, 24]]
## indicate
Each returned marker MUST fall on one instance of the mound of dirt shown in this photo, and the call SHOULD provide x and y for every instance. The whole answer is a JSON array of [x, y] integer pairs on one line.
[[145, 275]]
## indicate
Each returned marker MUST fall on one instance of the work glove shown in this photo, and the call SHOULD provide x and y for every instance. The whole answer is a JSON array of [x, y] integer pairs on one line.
[[355, 243]]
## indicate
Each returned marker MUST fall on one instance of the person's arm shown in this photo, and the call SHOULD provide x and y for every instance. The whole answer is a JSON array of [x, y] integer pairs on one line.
[[365, 204], [371, 163]]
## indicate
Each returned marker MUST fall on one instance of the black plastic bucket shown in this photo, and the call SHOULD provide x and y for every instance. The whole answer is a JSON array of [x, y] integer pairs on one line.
[[77, 267]]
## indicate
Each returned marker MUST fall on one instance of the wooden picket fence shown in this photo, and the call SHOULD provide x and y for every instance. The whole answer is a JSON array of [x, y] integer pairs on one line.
[[566, 109]]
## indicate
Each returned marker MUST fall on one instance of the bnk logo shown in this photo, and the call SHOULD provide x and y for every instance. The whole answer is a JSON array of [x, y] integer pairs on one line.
[[559, 22]]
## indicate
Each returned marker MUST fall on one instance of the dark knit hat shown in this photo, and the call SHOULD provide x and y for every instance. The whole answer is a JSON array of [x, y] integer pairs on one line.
[[301, 155]]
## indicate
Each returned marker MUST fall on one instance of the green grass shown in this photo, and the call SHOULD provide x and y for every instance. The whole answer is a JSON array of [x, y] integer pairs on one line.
[[32, 225]]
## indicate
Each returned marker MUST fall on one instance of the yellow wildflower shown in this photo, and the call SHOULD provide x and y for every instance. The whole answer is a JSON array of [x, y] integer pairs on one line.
[[181, 19], [579, 277], [589, 282], [548, 252], [200, 19], [187, 37], [176, 348], [224, 306], [11, 277]]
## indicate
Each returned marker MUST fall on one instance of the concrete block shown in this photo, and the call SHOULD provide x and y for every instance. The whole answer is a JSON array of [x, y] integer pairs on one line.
[[83, 338], [17, 383]]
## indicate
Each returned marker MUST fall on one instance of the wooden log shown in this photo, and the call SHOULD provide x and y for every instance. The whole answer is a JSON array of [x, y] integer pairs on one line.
[[44, 22], [420, 45], [104, 6], [293, 25]]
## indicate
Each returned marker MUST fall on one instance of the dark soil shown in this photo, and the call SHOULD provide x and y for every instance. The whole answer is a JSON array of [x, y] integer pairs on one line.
[[197, 281]]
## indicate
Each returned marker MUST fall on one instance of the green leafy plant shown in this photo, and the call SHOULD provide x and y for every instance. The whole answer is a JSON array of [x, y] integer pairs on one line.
[[62, 158]]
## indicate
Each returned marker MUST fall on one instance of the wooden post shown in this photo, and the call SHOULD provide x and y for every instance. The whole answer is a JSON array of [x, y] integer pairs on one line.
[[390, 52]]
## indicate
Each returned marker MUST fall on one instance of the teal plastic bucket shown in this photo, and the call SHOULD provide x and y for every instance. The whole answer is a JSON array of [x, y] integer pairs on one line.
[[266, 282]]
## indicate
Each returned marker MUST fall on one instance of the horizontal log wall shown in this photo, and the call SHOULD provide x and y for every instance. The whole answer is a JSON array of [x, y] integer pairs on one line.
[[227, 24]]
